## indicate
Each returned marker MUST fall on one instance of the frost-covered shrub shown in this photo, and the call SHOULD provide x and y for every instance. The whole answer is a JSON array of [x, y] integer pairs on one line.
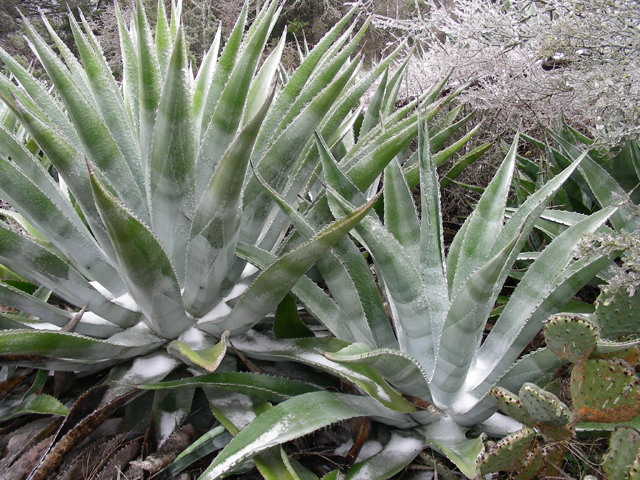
[[530, 61]]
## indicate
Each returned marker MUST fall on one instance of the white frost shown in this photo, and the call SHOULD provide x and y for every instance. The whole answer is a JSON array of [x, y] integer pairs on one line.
[[194, 338], [237, 290], [169, 421], [500, 424], [151, 367], [102, 290], [38, 325], [220, 311], [93, 319], [248, 271], [125, 300], [368, 450]]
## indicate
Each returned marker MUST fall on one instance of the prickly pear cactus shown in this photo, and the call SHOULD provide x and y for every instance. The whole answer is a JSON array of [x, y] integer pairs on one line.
[[510, 453], [605, 391], [544, 407], [572, 338], [621, 461], [618, 316], [631, 355], [510, 405]]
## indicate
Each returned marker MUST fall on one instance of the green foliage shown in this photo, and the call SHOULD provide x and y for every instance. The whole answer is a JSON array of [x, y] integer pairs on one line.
[[622, 458], [602, 390], [132, 199], [618, 316], [437, 303]]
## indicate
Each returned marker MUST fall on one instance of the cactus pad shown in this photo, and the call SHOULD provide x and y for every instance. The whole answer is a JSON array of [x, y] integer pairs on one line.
[[510, 404], [605, 391], [544, 407], [533, 462], [634, 472], [509, 453], [572, 338], [631, 355], [619, 315], [622, 456]]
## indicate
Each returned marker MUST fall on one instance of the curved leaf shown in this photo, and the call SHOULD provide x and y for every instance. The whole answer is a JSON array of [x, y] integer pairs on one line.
[[145, 266], [287, 421]]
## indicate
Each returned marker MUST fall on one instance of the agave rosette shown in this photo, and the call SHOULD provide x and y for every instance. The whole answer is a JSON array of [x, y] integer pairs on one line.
[[151, 187], [430, 374]]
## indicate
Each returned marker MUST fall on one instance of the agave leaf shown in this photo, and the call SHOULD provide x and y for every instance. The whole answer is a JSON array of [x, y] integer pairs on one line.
[[606, 189], [464, 452], [391, 94], [289, 420], [405, 292], [443, 155], [108, 100], [25, 162], [164, 42], [462, 163], [207, 358], [373, 114], [226, 118], [263, 388], [287, 322], [145, 265], [307, 350], [532, 368], [221, 74], [464, 324], [214, 230], [71, 166], [438, 139], [204, 80], [534, 206], [539, 283], [564, 288], [276, 165], [273, 464], [36, 404], [323, 76], [297, 82], [315, 299], [130, 79], [400, 214], [262, 83], [351, 97], [38, 265], [274, 283], [40, 97], [68, 346], [345, 272], [401, 370], [366, 161], [403, 446], [74, 66], [97, 141], [140, 371], [30, 304], [432, 258], [149, 85], [170, 409], [483, 226], [215, 439], [172, 174], [68, 234]]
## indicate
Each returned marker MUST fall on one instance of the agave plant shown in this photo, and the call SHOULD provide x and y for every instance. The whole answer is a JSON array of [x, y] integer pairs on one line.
[[130, 200], [605, 178], [427, 373]]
